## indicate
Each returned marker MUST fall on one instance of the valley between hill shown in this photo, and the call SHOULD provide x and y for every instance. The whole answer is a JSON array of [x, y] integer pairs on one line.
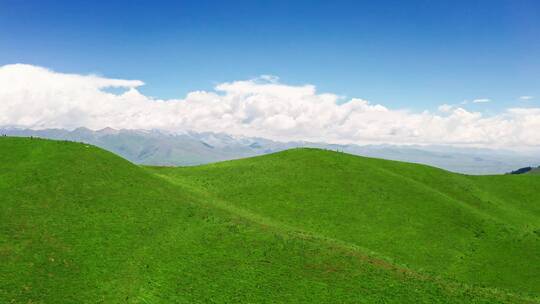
[[81, 225]]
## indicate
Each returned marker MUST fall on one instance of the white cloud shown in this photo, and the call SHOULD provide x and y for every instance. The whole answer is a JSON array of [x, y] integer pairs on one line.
[[35, 97], [481, 100], [445, 108], [526, 97]]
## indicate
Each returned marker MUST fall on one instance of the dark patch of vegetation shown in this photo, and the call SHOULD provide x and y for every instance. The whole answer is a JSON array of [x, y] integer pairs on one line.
[[521, 170]]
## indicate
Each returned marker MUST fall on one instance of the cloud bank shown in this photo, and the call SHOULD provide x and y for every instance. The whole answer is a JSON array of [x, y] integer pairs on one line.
[[35, 97]]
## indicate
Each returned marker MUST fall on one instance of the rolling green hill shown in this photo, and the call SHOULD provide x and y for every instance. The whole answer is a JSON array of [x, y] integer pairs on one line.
[[475, 229], [81, 225]]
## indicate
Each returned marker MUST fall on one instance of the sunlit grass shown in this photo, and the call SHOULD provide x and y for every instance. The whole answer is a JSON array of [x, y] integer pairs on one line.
[[81, 225]]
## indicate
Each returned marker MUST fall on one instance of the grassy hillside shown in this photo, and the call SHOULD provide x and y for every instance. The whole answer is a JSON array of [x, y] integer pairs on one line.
[[481, 230], [535, 171], [81, 225]]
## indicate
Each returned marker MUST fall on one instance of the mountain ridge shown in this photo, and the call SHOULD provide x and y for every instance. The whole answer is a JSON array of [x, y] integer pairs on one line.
[[187, 148]]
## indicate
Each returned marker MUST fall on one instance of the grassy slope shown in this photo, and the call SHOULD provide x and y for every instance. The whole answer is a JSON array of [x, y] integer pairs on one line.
[[535, 171], [80, 225], [480, 230]]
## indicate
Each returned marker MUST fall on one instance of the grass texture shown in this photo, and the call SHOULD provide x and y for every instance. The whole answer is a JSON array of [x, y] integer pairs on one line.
[[81, 225]]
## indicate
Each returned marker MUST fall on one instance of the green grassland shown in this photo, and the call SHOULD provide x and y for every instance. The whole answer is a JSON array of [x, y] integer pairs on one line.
[[81, 225]]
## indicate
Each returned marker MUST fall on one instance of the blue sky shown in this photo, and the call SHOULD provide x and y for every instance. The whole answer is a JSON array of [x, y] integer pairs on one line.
[[403, 54]]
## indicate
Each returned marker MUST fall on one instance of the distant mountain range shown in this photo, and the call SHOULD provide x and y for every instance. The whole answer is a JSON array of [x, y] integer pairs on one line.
[[153, 147]]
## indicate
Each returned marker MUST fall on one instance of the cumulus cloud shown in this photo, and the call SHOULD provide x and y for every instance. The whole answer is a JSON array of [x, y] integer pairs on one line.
[[481, 100], [35, 97], [445, 108]]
